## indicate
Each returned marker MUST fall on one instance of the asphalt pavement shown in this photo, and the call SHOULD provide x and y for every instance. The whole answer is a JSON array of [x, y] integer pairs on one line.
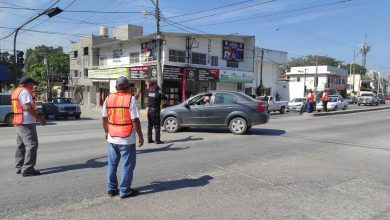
[[291, 168]]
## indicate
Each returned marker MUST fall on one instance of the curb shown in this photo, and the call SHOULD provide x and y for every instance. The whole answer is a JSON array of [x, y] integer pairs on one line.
[[349, 111]]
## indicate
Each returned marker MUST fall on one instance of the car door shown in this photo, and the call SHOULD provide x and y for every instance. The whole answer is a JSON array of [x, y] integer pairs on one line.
[[191, 113], [222, 105]]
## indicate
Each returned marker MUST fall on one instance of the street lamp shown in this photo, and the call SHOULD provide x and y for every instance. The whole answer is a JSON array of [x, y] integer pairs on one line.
[[51, 12]]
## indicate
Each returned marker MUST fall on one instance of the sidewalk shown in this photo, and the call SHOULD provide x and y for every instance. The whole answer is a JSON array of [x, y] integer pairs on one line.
[[96, 112]]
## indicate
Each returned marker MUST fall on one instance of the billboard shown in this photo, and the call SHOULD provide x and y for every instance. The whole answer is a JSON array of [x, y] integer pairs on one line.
[[232, 50], [143, 72], [149, 51], [235, 76]]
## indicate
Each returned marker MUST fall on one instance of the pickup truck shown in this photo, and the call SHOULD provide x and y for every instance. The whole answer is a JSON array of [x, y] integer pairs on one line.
[[6, 114], [61, 107], [273, 105]]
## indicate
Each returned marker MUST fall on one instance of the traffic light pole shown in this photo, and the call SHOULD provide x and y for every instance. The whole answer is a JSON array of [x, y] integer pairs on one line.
[[159, 46]]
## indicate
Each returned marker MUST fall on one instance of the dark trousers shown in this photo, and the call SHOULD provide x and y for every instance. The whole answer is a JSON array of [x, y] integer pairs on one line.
[[325, 105], [26, 147], [154, 122]]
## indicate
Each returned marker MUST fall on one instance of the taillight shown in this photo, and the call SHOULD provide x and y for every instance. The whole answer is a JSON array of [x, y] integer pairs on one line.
[[262, 106]]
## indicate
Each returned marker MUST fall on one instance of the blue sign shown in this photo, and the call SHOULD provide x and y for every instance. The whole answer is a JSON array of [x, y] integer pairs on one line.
[[4, 73]]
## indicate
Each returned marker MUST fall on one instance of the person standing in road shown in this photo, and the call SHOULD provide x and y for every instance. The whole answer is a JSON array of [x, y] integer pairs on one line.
[[24, 120], [120, 123], [155, 96], [310, 100], [324, 99]]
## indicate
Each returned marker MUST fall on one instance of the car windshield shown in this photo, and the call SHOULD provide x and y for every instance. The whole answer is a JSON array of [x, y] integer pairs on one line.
[[368, 94], [332, 99], [63, 101], [297, 100]]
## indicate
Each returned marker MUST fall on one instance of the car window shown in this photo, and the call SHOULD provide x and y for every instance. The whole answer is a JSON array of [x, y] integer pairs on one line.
[[224, 99], [199, 100], [5, 99]]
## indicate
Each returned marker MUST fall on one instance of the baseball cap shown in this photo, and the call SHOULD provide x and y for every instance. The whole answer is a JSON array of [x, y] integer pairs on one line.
[[26, 79], [122, 82]]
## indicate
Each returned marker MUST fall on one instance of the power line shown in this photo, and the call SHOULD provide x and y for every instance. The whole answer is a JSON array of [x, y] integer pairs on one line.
[[74, 11]]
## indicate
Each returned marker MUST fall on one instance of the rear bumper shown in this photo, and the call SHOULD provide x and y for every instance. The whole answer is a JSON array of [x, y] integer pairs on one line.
[[259, 118]]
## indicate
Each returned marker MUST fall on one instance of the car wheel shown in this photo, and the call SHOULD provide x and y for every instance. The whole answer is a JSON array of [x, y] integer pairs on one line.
[[345, 107], [171, 124], [77, 117], [335, 108], [238, 126], [282, 110], [9, 120]]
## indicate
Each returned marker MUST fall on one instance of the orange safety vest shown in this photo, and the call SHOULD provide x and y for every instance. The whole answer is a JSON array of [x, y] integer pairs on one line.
[[118, 111], [17, 108], [310, 97], [325, 96]]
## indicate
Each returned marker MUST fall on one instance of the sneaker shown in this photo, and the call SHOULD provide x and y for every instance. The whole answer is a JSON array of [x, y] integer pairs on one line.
[[31, 173], [150, 141], [113, 192], [132, 193], [159, 142]]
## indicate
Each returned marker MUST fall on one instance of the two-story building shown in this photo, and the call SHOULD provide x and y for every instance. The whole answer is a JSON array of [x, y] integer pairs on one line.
[[192, 63], [305, 76]]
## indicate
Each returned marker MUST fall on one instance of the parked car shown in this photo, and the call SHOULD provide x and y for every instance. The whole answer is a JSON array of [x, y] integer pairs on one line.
[[368, 99], [334, 103], [295, 104], [6, 114], [273, 105], [235, 110], [61, 107], [387, 96], [382, 99], [351, 99]]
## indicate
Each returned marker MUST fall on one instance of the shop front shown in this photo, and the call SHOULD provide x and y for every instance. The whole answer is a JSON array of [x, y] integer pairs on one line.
[[234, 80], [200, 80]]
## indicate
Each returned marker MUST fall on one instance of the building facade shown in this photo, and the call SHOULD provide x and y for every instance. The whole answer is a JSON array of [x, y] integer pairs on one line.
[[192, 63]]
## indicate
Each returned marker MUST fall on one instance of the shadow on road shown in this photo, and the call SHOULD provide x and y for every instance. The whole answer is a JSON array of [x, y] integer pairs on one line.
[[161, 186], [252, 131], [92, 163], [166, 148], [189, 138]]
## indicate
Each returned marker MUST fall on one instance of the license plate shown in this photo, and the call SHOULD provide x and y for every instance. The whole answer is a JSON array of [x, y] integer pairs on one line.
[[70, 113]]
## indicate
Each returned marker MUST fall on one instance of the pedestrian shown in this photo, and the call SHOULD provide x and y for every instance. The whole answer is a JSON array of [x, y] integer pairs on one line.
[[25, 118], [277, 97], [324, 99], [120, 123], [310, 101], [155, 97]]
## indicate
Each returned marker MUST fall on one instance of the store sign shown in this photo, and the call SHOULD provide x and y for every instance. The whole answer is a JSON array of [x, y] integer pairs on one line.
[[172, 72], [201, 74], [232, 50], [108, 73], [235, 76], [143, 72]]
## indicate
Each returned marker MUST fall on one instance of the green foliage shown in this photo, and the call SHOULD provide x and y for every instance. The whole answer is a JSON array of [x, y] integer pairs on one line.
[[261, 90]]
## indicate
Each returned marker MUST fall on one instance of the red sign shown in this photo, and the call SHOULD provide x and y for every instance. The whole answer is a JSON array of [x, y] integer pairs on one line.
[[388, 77]]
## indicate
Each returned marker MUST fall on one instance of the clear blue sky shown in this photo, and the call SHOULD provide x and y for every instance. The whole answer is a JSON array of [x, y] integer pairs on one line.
[[299, 27]]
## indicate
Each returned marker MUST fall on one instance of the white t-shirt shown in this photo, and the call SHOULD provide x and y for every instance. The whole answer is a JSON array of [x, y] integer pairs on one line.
[[134, 112], [24, 98]]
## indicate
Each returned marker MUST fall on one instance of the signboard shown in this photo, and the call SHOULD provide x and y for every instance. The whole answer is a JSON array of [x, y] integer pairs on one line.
[[143, 72], [172, 73], [108, 73], [235, 76], [202, 74], [232, 50], [149, 51]]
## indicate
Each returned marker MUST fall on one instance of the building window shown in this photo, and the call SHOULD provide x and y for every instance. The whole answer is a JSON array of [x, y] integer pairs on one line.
[[199, 58], [298, 79], [75, 74], [232, 63], [214, 60], [239, 86], [74, 53], [85, 72], [134, 57], [86, 51], [177, 56]]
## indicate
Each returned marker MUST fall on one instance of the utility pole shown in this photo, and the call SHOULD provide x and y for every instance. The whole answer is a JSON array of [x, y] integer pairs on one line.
[[261, 70], [353, 72], [48, 89], [304, 85], [316, 78], [159, 46]]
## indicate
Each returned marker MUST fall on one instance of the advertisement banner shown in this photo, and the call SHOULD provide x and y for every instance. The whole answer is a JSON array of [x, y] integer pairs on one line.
[[143, 72], [232, 50], [108, 73], [202, 74], [149, 51], [235, 76], [172, 73]]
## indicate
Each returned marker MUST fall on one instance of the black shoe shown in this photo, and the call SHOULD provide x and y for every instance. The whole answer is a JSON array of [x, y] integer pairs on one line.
[[113, 192], [150, 141], [132, 193], [159, 142], [18, 171], [31, 173]]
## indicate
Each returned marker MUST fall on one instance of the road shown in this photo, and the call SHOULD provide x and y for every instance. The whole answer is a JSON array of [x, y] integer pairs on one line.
[[334, 167]]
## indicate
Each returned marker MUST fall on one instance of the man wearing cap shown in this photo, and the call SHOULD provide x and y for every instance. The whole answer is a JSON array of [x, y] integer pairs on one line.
[[155, 97], [120, 123], [25, 118]]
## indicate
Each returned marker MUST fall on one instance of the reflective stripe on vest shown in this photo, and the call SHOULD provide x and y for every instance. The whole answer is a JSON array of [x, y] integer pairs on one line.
[[118, 112], [17, 108], [325, 96]]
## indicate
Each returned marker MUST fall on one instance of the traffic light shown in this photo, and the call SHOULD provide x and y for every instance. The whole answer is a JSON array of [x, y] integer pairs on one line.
[[20, 58]]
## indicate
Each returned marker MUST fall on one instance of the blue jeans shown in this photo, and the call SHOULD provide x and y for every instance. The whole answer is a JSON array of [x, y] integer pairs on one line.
[[127, 154]]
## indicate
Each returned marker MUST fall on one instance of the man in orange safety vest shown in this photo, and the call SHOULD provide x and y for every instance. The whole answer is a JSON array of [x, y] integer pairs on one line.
[[324, 99]]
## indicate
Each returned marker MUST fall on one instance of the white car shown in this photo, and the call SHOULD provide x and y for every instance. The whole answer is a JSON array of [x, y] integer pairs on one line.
[[334, 103], [295, 104]]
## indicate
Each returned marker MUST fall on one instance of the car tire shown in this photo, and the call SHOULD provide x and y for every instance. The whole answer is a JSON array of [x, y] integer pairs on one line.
[[282, 110], [77, 117], [238, 125], [9, 120], [345, 107], [171, 124], [335, 108]]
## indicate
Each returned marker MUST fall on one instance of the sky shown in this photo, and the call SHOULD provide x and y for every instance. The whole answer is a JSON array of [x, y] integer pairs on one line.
[[300, 27]]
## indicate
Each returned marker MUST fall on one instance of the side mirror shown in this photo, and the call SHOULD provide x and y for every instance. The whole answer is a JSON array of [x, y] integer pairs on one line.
[[187, 105]]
